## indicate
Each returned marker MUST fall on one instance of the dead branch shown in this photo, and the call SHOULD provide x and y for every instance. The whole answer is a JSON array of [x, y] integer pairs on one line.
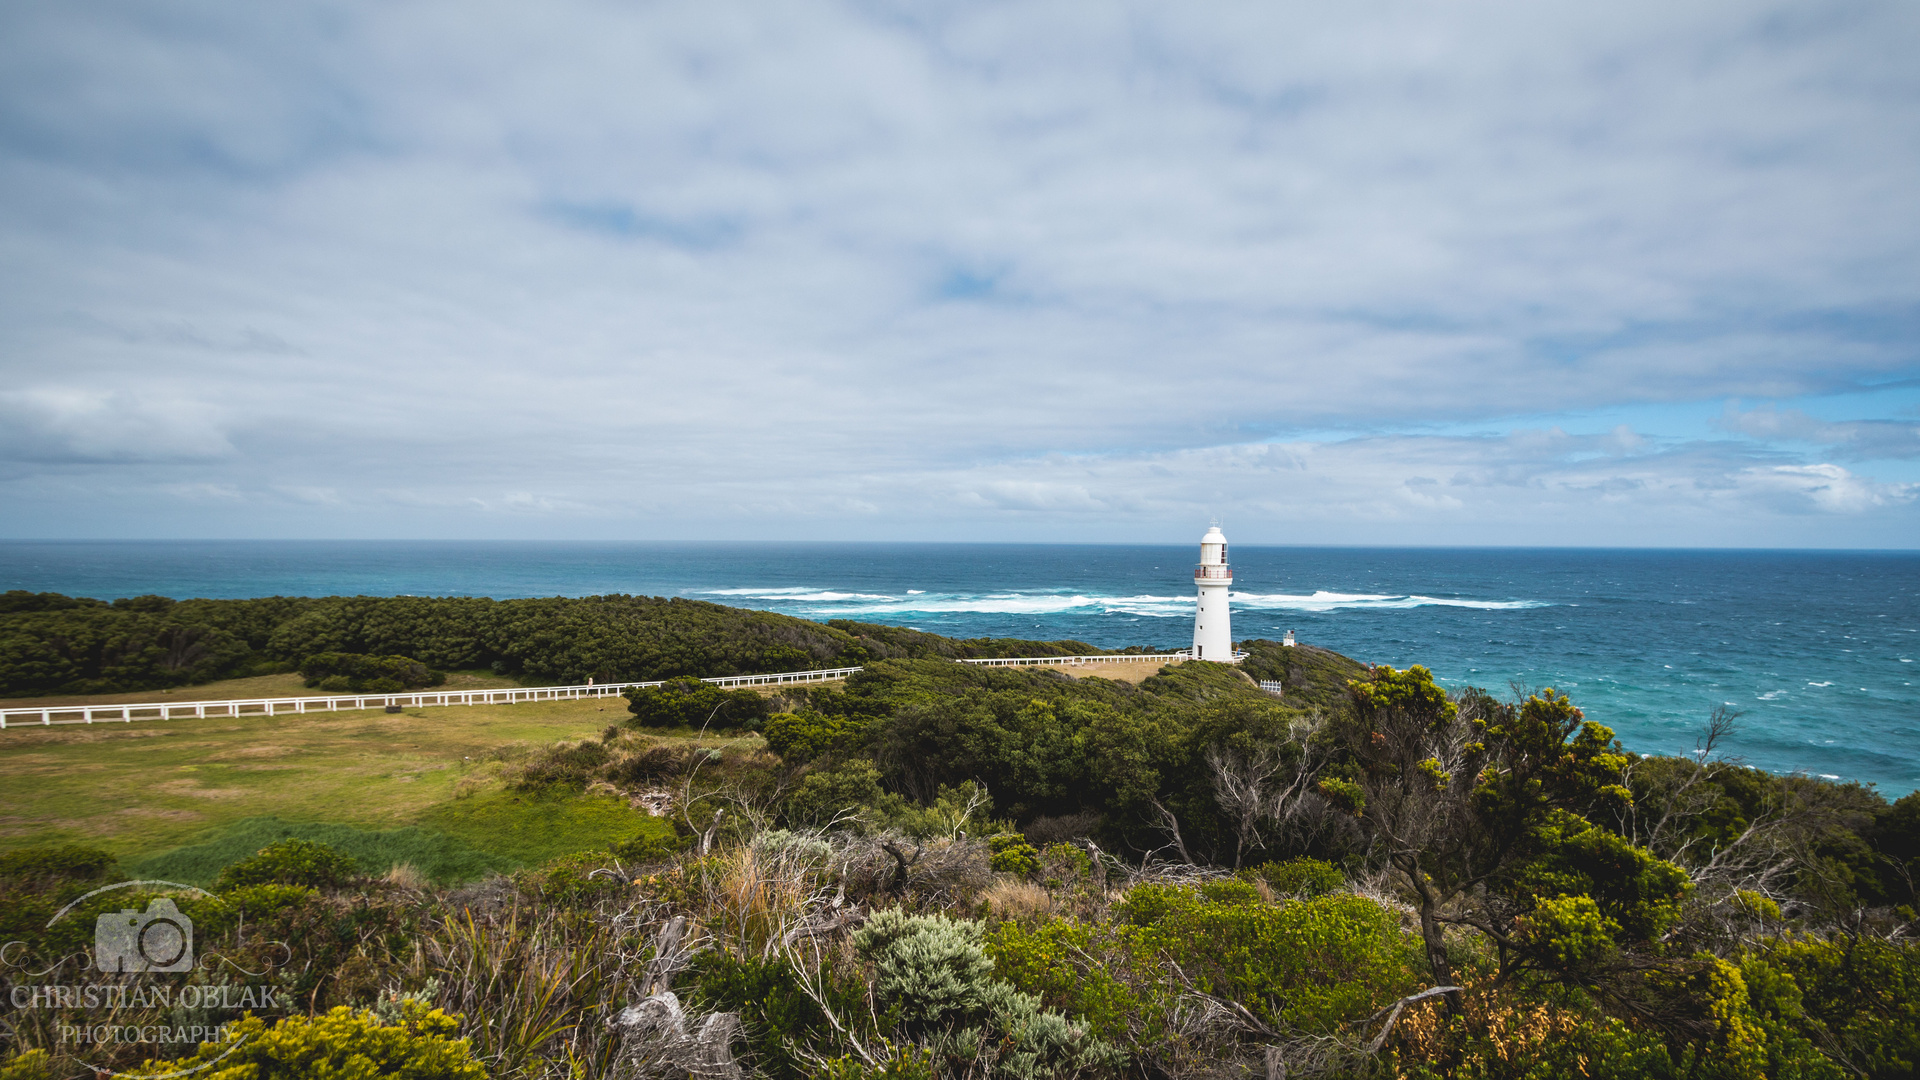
[[1393, 1012]]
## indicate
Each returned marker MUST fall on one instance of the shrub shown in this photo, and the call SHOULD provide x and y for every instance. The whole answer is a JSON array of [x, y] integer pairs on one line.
[[1104, 973], [361, 673], [1862, 992], [954, 810], [851, 786], [1511, 1036], [1230, 892], [904, 1063], [562, 765], [571, 879], [1061, 863], [290, 862], [800, 737], [1013, 855], [342, 1043], [1300, 877], [779, 1015], [934, 978], [260, 901], [688, 702], [651, 765], [647, 848], [42, 866], [28, 1065], [1308, 966]]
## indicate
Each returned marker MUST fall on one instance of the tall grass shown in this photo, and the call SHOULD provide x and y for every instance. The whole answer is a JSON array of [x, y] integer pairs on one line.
[[537, 989]]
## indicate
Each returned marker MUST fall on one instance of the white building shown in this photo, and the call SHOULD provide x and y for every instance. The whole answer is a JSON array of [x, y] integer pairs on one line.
[[1212, 626]]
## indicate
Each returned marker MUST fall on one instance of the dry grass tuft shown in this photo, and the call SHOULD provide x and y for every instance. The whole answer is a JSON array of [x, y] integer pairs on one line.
[[756, 895], [407, 876], [1014, 900]]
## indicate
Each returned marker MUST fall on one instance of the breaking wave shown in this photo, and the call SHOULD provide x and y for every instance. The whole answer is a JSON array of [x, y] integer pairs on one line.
[[830, 602]]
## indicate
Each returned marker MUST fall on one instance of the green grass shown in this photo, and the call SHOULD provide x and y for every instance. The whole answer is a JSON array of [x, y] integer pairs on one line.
[[143, 789], [439, 857], [530, 829]]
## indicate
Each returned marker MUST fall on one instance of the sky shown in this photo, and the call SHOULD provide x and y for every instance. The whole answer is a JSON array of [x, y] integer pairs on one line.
[[1635, 273]]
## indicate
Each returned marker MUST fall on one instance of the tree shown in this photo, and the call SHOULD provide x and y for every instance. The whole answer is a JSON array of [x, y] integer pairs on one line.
[[1454, 795], [1263, 779]]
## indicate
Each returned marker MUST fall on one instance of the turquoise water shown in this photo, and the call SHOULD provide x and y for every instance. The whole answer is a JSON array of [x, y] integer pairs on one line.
[[1818, 649]]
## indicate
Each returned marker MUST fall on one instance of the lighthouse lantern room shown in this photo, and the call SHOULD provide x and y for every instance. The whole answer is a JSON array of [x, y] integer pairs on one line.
[[1212, 626]]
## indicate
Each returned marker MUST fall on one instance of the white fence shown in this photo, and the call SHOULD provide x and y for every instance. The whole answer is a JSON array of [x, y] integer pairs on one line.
[[176, 710], [48, 715]]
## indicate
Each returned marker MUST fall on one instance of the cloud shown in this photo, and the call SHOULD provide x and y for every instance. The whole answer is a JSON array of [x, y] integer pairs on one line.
[[739, 270], [1830, 487], [318, 496], [1526, 487], [62, 425], [204, 492], [1858, 440]]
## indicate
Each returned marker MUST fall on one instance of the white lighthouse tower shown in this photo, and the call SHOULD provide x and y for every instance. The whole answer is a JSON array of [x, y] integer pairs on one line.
[[1212, 627]]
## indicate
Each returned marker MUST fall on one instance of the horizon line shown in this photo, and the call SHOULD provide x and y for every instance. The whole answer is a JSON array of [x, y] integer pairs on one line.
[[958, 543]]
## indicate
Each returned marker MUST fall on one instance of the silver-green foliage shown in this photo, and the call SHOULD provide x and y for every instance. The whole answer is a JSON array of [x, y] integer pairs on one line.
[[933, 977]]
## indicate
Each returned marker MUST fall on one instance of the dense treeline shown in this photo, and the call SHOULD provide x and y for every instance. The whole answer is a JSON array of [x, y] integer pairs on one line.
[[356, 672], [59, 644]]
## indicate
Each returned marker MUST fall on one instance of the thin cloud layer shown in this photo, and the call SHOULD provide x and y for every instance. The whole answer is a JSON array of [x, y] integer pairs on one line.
[[1852, 439], [1051, 270]]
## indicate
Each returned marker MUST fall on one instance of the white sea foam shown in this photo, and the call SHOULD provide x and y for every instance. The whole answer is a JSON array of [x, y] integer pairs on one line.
[[831, 602], [1772, 695], [824, 602], [1332, 601], [998, 604], [1819, 684], [804, 596]]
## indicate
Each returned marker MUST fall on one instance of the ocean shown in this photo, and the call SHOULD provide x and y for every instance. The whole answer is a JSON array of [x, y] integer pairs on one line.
[[1816, 649]]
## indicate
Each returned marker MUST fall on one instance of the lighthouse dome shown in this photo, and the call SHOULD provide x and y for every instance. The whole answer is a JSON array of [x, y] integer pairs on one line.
[[1213, 547]]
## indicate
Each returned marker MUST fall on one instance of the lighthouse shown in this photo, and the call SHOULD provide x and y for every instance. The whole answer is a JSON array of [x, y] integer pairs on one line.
[[1212, 627]]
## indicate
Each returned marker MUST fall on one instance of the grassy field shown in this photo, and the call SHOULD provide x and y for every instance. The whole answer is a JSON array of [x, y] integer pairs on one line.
[[181, 798], [1117, 671], [142, 789]]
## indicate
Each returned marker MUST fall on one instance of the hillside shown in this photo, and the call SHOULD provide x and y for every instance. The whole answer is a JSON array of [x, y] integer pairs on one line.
[[58, 645]]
